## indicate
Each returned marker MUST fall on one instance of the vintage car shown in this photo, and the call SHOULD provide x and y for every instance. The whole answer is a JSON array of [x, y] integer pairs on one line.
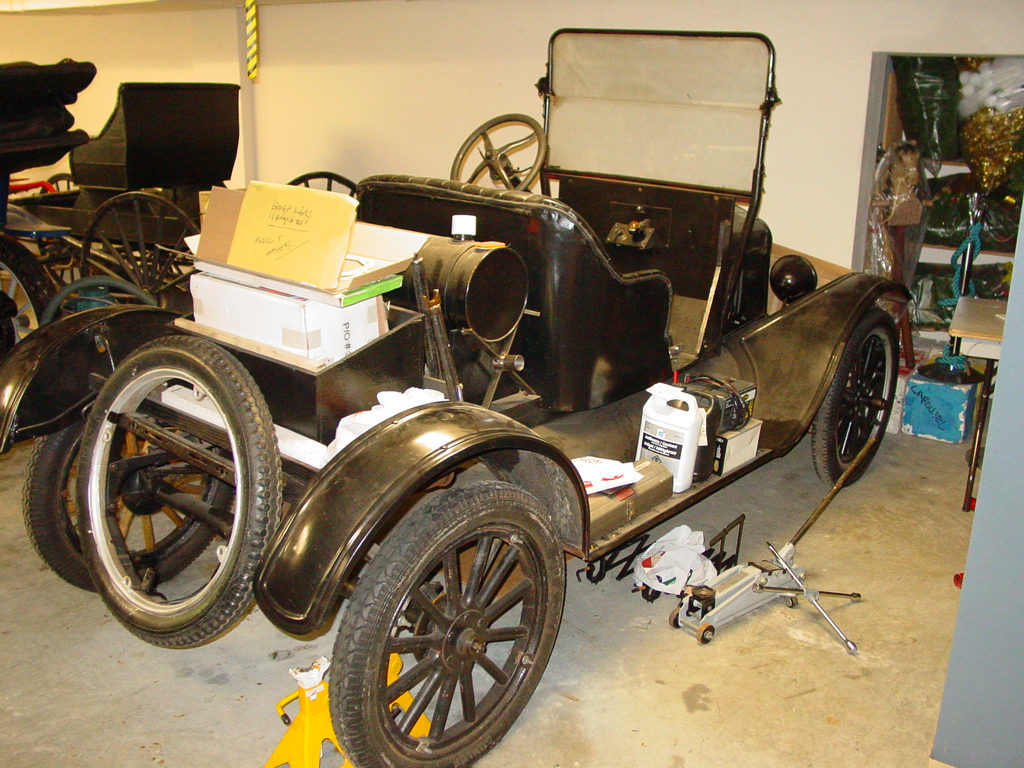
[[441, 532]]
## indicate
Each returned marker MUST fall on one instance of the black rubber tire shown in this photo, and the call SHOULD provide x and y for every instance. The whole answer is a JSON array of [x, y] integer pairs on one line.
[[50, 513], [859, 399], [49, 508], [440, 654], [27, 282], [174, 596]]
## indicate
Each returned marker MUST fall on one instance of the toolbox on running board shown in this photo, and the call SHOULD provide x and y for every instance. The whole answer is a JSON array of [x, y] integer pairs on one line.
[[612, 509]]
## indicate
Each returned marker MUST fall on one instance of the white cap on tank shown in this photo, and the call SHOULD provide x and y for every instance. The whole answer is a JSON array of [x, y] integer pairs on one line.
[[463, 227]]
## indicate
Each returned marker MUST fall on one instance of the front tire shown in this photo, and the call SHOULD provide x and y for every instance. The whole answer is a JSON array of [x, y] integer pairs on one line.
[[466, 596], [859, 400], [152, 482]]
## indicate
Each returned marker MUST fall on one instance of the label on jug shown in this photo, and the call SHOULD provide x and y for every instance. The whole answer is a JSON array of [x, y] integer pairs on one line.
[[663, 442]]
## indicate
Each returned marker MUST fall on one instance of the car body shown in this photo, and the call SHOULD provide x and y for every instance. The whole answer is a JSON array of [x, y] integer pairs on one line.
[[647, 266]]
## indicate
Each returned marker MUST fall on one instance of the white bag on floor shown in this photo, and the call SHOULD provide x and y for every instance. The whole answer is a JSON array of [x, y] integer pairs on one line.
[[674, 561]]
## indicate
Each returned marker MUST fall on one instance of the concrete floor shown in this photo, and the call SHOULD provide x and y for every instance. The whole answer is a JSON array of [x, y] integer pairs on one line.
[[623, 689]]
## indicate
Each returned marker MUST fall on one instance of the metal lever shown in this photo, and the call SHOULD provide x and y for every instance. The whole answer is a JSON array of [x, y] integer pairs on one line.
[[812, 597]]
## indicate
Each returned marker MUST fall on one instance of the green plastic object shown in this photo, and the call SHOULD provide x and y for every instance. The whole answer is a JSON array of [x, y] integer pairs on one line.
[[929, 90]]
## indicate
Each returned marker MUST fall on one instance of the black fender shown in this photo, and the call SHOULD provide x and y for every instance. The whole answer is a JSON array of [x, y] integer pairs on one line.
[[365, 489], [45, 378], [793, 354]]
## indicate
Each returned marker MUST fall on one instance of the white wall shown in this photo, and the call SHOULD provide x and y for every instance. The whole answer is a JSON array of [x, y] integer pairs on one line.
[[197, 46], [394, 85]]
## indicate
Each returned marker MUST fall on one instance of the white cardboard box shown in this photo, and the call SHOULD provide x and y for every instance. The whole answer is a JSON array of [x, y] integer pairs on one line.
[[291, 444], [311, 329], [736, 447]]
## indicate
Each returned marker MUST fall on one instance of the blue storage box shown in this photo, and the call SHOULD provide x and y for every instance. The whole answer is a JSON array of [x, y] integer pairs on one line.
[[938, 410]]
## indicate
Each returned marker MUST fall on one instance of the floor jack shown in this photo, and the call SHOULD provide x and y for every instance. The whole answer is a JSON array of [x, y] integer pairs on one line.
[[302, 744], [744, 588]]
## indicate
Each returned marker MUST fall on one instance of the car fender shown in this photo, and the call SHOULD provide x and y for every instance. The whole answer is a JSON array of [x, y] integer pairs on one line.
[[366, 488], [45, 378], [793, 354]]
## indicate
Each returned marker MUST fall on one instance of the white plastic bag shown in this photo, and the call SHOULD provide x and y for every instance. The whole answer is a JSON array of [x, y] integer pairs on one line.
[[674, 561]]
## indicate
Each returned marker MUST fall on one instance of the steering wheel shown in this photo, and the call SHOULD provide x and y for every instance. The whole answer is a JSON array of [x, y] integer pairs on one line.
[[496, 161]]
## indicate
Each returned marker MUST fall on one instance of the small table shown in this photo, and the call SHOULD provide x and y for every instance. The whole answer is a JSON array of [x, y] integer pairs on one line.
[[978, 323]]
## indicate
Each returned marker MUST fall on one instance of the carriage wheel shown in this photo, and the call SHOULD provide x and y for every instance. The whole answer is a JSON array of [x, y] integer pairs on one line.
[[327, 180], [27, 288], [466, 593], [62, 182], [140, 237], [149, 476], [50, 512], [859, 400]]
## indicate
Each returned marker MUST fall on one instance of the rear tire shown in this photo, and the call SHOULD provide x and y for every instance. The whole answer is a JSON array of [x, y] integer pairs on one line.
[[48, 505], [140, 502], [465, 595], [859, 400]]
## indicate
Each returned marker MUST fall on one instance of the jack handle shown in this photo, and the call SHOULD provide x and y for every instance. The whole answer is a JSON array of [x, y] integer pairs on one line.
[[813, 518], [284, 703]]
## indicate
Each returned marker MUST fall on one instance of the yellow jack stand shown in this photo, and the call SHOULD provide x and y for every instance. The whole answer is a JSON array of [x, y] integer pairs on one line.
[[302, 744]]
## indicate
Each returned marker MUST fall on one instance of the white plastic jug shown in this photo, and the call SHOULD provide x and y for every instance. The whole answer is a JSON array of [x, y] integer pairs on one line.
[[670, 432]]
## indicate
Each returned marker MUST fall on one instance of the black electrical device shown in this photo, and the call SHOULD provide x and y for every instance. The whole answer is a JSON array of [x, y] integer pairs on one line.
[[735, 398], [704, 462]]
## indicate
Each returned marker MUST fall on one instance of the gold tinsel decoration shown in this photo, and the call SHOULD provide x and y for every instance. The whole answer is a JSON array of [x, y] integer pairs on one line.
[[986, 141]]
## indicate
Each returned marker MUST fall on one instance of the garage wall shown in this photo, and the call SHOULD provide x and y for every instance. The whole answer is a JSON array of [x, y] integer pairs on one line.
[[167, 46], [394, 85]]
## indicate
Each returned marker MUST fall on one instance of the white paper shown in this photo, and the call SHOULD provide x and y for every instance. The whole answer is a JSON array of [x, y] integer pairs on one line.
[[604, 474]]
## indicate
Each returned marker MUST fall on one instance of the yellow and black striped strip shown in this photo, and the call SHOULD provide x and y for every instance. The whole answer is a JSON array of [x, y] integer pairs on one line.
[[252, 40]]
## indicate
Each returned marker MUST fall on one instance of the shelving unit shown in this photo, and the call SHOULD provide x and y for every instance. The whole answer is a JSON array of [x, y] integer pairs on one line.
[[884, 129]]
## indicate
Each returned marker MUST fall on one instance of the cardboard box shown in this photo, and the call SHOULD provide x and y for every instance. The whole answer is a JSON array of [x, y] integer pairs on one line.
[[299, 326], [301, 290], [938, 410], [736, 447], [330, 253]]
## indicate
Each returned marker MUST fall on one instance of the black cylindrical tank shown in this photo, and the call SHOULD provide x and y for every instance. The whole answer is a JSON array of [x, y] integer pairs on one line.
[[482, 286]]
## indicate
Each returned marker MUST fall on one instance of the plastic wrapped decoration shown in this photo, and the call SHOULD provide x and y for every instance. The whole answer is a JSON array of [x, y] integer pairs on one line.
[[898, 213], [929, 93], [950, 215], [934, 290], [992, 109]]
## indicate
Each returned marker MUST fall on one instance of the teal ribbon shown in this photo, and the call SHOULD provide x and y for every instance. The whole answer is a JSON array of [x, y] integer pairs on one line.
[[973, 241]]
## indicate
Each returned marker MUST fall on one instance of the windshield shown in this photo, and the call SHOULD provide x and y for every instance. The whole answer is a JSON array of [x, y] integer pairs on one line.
[[677, 107]]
